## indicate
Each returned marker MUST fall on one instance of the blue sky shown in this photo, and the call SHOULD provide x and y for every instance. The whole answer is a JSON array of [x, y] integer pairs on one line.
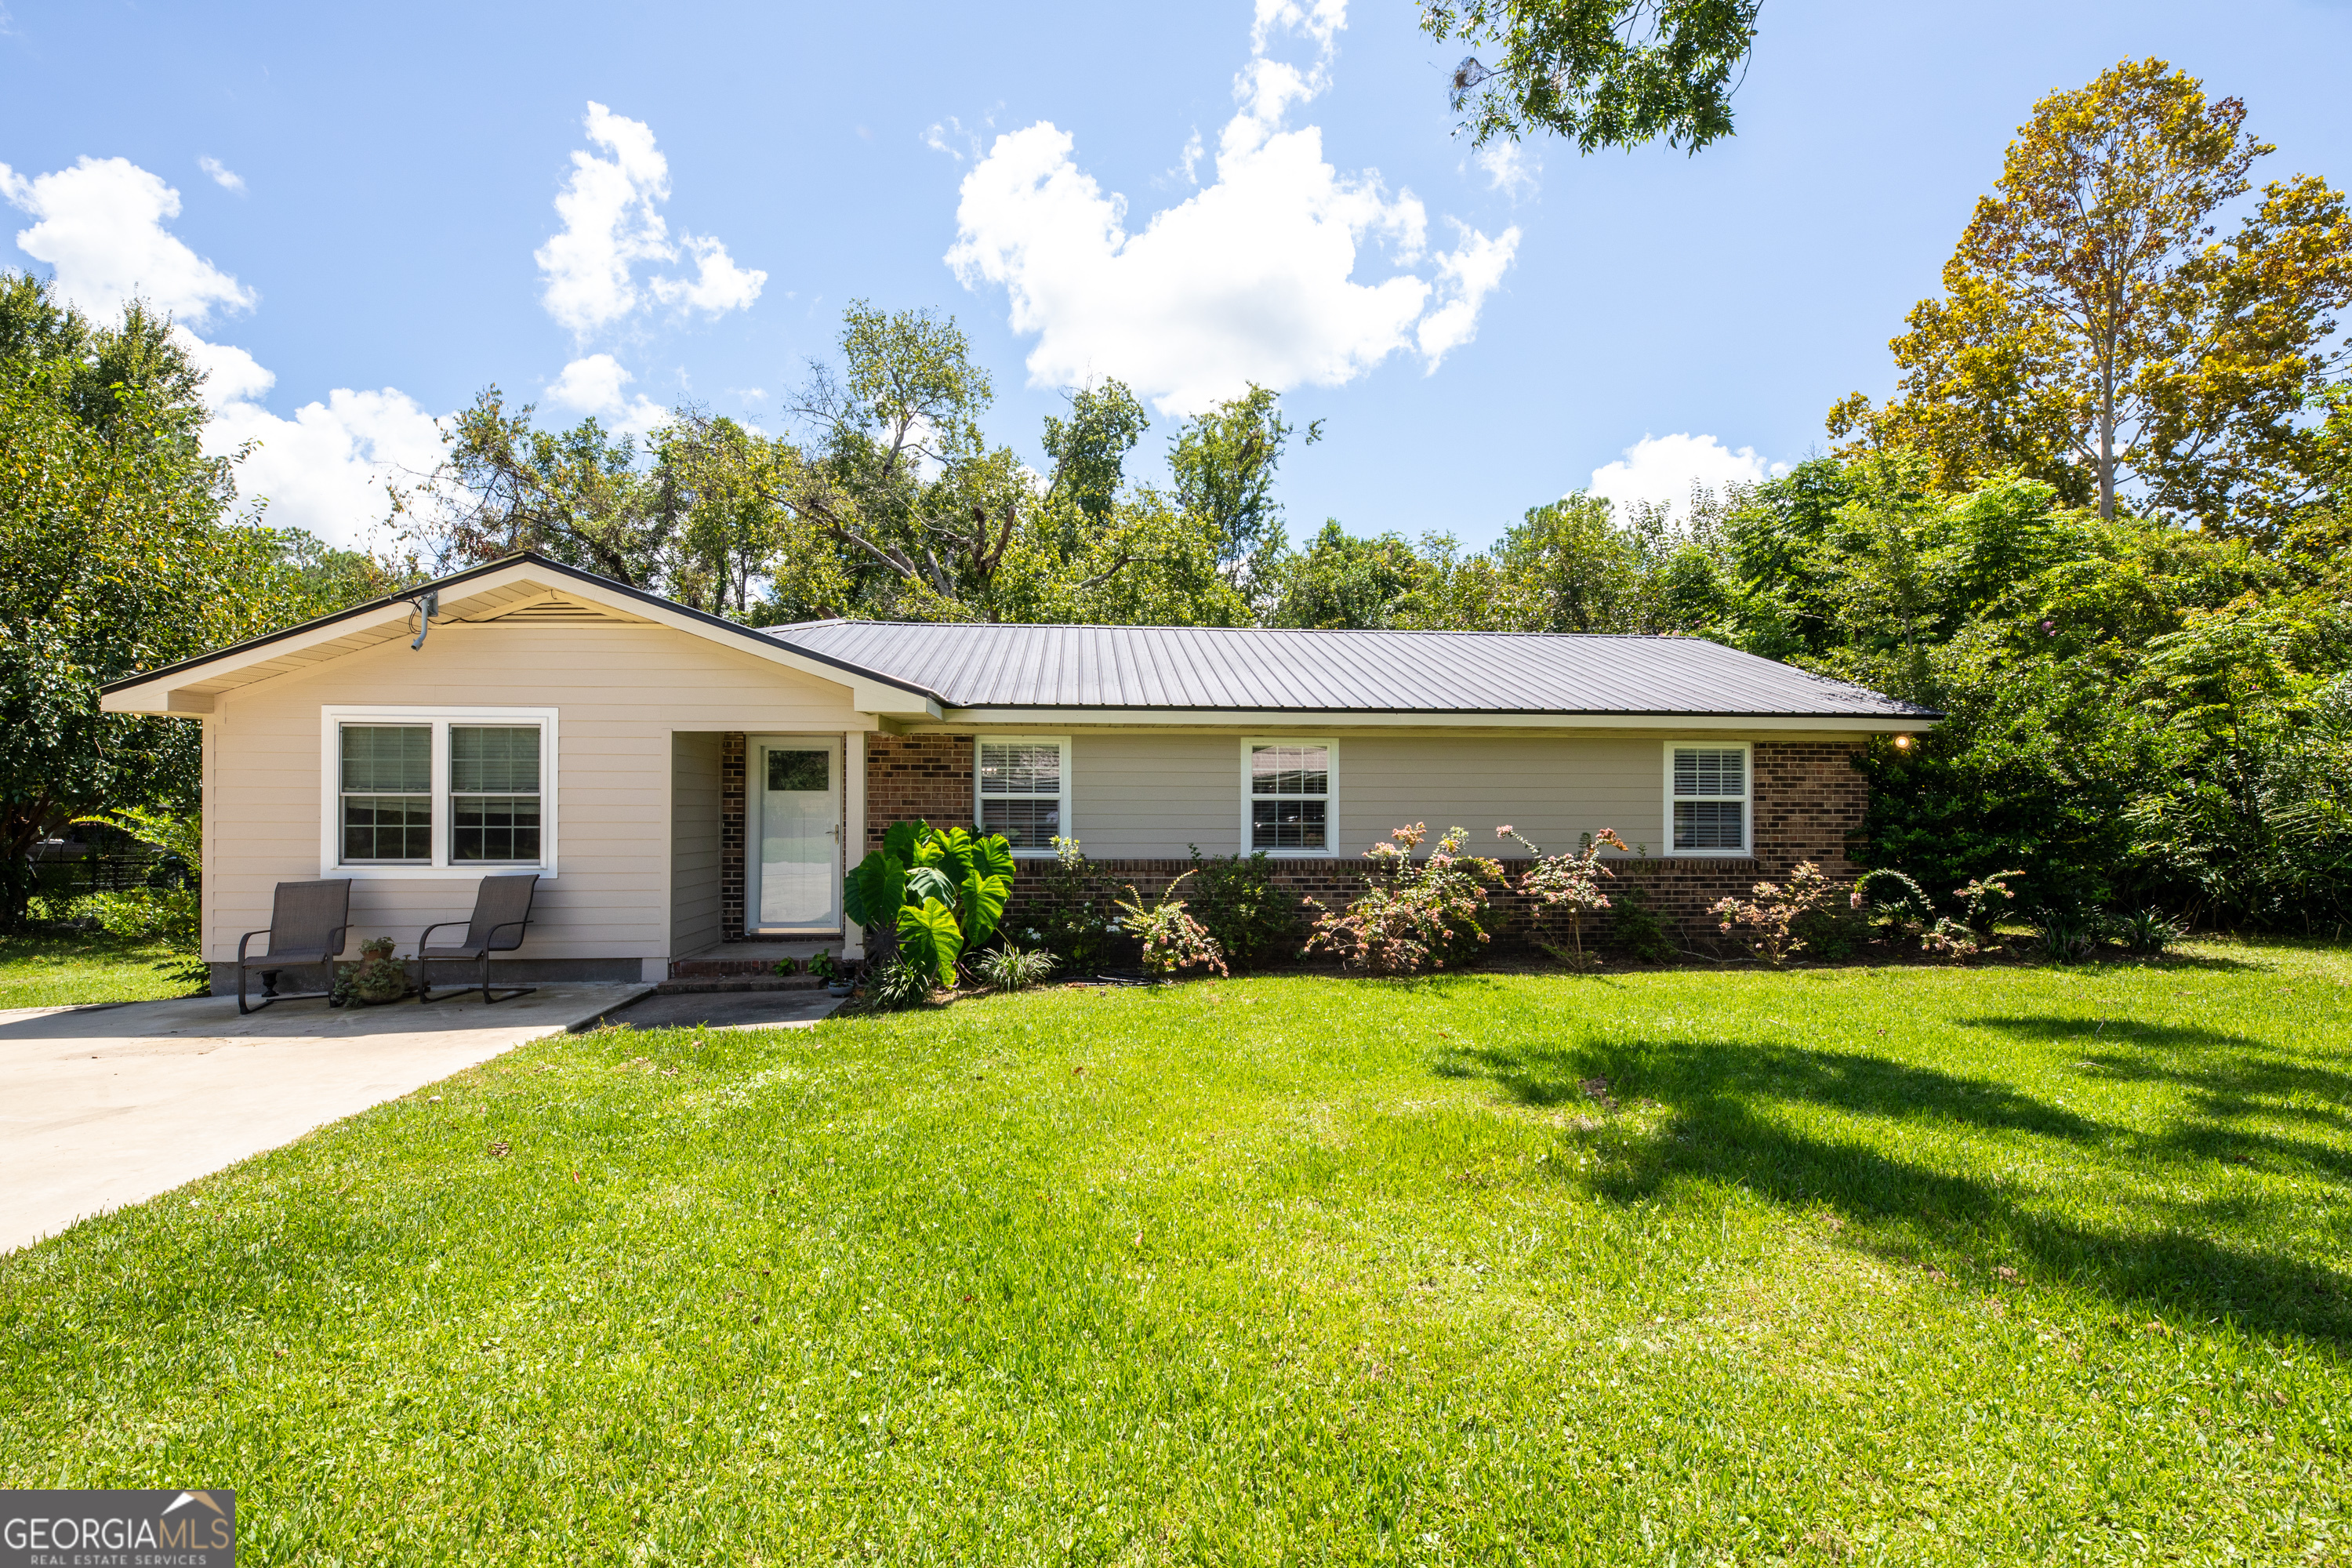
[[357, 208]]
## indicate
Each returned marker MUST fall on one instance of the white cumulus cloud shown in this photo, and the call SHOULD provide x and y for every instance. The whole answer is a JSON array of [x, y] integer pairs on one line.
[[325, 470], [1254, 278], [593, 386], [221, 175], [611, 208], [100, 225], [1664, 469], [1509, 168]]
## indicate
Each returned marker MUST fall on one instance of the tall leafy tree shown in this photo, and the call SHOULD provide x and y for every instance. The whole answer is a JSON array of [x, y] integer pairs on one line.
[[1602, 73], [113, 526], [580, 496], [1224, 463], [1342, 583], [2093, 334]]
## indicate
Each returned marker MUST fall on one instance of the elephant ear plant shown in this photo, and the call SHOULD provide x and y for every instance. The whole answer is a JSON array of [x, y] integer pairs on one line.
[[937, 892]]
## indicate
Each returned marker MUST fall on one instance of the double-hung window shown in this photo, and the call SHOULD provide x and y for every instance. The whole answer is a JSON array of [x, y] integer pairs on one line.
[[1024, 790], [1707, 798], [1289, 804], [416, 792]]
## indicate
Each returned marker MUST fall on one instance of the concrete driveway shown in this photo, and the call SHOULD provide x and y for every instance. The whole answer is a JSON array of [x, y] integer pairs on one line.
[[105, 1106]]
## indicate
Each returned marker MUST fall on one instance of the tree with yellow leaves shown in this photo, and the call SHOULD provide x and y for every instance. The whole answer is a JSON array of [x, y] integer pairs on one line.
[[2094, 334]]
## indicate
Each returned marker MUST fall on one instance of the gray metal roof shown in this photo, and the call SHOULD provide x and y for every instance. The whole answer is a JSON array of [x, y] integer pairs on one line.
[[1258, 669]]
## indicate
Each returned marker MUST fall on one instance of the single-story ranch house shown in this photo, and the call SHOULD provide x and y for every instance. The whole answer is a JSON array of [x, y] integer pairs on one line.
[[681, 782]]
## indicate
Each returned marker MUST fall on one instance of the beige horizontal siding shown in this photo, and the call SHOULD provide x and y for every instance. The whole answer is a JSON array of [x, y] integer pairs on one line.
[[1553, 791], [1146, 795], [620, 692], [694, 841]]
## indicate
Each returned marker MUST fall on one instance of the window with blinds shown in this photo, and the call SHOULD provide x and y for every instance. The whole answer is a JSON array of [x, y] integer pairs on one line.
[[1290, 796], [1024, 791], [1708, 790]]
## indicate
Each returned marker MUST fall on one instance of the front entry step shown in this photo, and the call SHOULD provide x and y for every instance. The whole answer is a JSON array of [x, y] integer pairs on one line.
[[750, 965], [675, 987]]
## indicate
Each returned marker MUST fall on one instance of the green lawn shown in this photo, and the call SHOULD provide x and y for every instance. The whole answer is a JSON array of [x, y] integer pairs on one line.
[[53, 971], [1900, 1266]]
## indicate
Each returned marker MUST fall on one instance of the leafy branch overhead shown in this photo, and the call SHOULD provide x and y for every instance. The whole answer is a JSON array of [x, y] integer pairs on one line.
[[1601, 73]]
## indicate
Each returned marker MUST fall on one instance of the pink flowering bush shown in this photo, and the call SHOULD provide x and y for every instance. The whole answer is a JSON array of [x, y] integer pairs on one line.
[[1172, 939], [1569, 882], [1415, 914], [1772, 910]]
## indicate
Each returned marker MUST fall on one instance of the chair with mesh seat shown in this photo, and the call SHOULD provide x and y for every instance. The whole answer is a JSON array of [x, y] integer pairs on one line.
[[502, 917], [307, 924]]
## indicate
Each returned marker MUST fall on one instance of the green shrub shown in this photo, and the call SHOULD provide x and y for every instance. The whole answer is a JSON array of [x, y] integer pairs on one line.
[[2147, 931], [170, 913], [892, 983], [1236, 899], [2064, 936], [1638, 931], [1074, 912]]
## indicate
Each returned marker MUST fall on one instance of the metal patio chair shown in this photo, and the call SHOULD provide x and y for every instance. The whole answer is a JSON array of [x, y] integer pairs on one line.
[[307, 923], [500, 920]]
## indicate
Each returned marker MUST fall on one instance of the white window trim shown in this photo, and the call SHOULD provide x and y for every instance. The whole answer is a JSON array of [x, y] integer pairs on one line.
[[1330, 796], [331, 782], [979, 796], [1747, 806]]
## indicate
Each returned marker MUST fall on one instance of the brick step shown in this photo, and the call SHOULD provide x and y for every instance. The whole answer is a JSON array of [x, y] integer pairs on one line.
[[729, 968], [680, 985]]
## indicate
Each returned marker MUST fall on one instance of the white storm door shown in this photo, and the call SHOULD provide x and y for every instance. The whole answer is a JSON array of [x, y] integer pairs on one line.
[[796, 870]]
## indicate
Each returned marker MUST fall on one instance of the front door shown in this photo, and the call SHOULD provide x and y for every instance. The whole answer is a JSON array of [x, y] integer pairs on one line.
[[796, 875]]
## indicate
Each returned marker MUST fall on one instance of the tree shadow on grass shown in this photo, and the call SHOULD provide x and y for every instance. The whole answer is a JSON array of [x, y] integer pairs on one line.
[[1720, 1127]]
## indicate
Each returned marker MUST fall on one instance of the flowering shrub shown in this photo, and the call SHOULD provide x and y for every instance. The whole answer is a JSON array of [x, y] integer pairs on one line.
[[1772, 909], [1172, 938], [1570, 883], [1415, 914]]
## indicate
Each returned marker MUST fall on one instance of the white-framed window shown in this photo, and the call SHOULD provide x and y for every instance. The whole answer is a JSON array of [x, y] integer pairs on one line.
[[1710, 790], [1022, 789], [436, 791], [1290, 795]]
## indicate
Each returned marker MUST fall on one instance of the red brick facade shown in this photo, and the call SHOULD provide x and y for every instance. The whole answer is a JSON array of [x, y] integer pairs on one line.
[[1808, 805], [731, 838], [917, 777]]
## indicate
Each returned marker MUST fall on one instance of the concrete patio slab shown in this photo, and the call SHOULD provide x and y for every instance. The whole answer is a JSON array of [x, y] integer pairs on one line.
[[111, 1105], [726, 1010]]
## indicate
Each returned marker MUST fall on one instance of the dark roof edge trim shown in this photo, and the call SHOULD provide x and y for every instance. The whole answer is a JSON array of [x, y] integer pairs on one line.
[[523, 558], [1562, 712]]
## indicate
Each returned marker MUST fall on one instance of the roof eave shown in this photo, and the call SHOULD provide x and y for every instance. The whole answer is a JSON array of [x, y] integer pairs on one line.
[[160, 691], [1299, 718]]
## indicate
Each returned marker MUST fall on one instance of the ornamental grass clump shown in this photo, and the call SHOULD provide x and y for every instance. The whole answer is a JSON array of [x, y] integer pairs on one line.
[[1011, 968], [1415, 914], [1569, 882], [1172, 939]]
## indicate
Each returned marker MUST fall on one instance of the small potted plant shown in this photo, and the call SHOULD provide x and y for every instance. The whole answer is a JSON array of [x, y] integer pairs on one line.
[[375, 979], [827, 968]]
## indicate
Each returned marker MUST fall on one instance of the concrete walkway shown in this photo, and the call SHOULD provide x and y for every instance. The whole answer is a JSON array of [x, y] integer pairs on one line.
[[726, 1010], [105, 1106]]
